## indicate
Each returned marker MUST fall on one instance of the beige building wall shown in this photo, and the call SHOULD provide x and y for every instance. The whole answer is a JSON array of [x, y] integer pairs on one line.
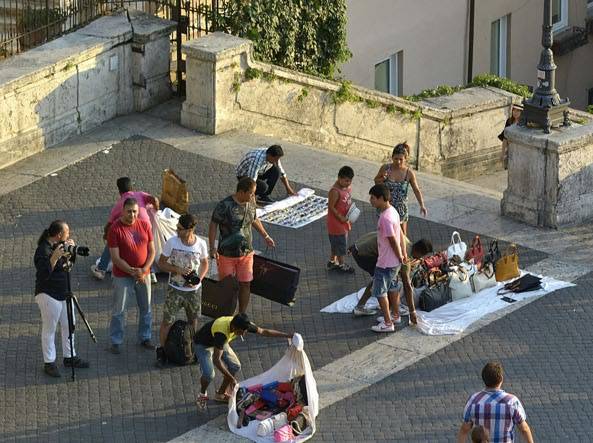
[[574, 75], [431, 34]]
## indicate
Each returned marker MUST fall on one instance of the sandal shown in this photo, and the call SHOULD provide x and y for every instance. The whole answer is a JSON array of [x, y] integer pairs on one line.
[[344, 268], [202, 401]]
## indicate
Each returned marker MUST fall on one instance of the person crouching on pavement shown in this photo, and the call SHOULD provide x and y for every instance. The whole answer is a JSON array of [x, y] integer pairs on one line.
[[212, 348], [51, 288], [185, 257], [365, 253]]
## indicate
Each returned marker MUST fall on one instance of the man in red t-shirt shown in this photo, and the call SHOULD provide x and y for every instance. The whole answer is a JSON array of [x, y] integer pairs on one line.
[[132, 252]]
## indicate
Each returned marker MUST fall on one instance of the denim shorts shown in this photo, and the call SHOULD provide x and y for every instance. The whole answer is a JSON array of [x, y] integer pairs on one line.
[[338, 244], [384, 281]]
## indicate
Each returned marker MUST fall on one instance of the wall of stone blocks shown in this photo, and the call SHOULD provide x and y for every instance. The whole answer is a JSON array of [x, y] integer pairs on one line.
[[73, 84]]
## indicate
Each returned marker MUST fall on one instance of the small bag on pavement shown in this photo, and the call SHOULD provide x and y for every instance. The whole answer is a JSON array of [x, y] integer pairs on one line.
[[483, 279], [507, 267], [457, 247], [459, 284]]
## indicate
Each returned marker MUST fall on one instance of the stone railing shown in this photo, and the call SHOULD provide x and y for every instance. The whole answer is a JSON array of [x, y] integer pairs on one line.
[[455, 136], [550, 176], [114, 66]]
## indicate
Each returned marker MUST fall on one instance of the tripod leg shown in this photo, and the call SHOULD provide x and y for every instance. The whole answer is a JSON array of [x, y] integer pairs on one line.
[[70, 313], [86, 323]]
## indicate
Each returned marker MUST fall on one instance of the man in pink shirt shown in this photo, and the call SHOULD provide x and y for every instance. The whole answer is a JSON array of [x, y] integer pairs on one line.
[[124, 185], [392, 254]]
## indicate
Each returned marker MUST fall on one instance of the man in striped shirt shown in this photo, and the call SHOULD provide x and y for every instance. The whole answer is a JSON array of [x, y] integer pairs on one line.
[[496, 410], [263, 165]]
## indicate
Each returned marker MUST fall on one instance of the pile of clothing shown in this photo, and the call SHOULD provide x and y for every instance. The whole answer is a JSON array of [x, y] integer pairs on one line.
[[280, 407]]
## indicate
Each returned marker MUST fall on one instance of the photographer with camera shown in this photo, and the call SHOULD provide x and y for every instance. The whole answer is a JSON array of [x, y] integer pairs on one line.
[[54, 250], [185, 257]]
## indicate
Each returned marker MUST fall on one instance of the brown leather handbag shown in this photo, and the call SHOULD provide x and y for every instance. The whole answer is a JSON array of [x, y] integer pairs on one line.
[[219, 298], [507, 267], [174, 194]]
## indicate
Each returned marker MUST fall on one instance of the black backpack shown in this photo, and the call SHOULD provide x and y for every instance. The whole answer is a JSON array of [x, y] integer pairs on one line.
[[179, 347]]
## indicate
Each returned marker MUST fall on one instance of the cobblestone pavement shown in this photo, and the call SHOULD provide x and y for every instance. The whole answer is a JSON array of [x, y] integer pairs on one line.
[[545, 349], [124, 398]]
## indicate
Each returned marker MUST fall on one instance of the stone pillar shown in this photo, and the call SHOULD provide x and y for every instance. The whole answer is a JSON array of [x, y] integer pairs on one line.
[[550, 180], [151, 59], [214, 64]]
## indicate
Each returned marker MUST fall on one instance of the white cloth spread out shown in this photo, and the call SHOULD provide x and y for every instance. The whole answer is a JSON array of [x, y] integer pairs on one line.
[[295, 211], [455, 317]]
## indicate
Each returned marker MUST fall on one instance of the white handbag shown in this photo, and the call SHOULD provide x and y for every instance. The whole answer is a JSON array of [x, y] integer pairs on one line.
[[459, 284], [483, 279], [457, 247]]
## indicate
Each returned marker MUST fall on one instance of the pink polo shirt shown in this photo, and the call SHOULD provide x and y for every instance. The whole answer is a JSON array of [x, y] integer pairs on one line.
[[143, 199]]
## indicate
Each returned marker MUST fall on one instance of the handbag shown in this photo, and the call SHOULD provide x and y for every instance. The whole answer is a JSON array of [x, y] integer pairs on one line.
[[435, 261], [507, 267], [493, 254], [459, 284], [483, 279], [457, 247], [476, 252], [526, 283], [436, 294], [275, 280], [174, 194], [219, 298]]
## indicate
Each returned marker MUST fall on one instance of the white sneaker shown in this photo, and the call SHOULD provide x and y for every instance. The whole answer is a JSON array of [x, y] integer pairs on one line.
[[403, 310], [97, 273], [382, 327], [361, 312], [397, 321]]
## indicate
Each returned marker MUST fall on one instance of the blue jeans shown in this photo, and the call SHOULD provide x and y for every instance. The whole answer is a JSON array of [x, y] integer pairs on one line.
[[104, 260], [384, 281], [123, 289], [204, 356]]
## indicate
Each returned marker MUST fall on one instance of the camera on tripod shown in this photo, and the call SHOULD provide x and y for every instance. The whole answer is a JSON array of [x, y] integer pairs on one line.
[[192, 278], [73, 250]]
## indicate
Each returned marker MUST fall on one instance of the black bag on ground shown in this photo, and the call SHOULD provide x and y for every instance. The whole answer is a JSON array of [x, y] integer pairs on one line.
[[523, 284], [179, 347], [275, 280], [436, 294]]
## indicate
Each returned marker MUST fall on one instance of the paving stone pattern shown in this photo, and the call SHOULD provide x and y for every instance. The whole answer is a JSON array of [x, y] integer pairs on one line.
[[125, 398], [545, 348]]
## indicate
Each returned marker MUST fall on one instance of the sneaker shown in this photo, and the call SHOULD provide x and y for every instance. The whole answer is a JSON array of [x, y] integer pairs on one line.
[[97, 273], [264, 199], [114, 349], [363, 312], [344, 268], [382, 327], [403, 310], [153, 278], [77, 362], [396, 320], [147, 344], [52, 370], [331, 266], [202, 401]]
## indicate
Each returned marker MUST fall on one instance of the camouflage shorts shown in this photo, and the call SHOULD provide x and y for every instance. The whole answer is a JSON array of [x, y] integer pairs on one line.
[[175, 299]]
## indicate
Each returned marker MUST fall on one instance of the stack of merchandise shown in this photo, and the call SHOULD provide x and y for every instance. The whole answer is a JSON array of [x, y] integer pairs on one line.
[[280, 407]]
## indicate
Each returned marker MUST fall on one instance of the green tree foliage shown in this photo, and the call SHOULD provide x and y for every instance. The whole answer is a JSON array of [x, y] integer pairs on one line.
[[305, 35]]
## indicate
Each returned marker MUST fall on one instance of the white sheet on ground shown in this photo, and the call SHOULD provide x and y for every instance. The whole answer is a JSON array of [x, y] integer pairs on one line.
[[293, 364], [455, 317]]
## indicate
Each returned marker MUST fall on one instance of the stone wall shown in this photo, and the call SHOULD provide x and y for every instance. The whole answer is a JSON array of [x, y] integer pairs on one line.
[[454, 136], [114, 66], [550, 176]]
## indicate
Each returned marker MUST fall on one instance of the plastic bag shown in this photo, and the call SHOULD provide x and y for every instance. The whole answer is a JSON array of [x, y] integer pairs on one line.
[[294, 363], [164, 226]]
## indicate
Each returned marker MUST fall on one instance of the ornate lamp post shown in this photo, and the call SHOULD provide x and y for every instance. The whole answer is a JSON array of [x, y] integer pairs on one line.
[[545, 109]]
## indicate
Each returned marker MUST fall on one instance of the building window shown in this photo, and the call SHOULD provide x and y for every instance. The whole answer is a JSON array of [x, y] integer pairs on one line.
[[389, 74], [499, 40], [559, 14]]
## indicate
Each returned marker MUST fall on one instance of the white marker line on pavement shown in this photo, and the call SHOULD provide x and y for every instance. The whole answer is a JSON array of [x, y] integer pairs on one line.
[[361, 369]]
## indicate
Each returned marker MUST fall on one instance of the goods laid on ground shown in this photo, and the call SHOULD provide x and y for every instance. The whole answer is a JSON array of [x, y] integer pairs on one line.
[[281, 404], [295, 211]]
